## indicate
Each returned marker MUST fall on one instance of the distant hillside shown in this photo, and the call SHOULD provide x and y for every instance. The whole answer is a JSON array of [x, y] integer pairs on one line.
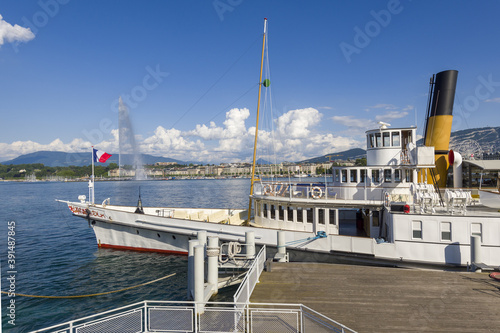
[[488, 138], [59, 158], [345, 155]]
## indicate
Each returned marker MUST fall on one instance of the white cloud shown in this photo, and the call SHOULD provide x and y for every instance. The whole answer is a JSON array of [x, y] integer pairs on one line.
[[493, 100], [382, 106], [296, 123], [16, 33], [350, 121], [391, 115], [13, 150], [296, 138]]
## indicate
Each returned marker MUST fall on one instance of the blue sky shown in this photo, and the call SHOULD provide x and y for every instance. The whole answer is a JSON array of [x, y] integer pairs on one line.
[[337, 67]]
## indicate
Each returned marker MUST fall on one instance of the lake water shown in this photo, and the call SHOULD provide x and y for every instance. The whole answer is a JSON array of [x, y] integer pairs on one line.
[[56, 253]]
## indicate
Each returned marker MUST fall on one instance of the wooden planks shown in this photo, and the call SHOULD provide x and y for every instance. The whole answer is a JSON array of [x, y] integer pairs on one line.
[[377, 299]]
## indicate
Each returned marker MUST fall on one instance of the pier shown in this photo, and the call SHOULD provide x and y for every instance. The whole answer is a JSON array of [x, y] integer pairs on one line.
[[378, 299]]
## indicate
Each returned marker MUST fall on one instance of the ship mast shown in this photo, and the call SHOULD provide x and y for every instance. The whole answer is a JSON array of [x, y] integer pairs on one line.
[[257, 124]]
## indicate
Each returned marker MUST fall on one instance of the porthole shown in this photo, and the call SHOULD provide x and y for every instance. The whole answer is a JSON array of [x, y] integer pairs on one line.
[[158, 235], [173, 236], [137, 231]]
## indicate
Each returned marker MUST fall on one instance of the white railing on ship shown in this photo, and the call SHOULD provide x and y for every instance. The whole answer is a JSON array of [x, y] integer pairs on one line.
[[172, 316], [292, 190], [242, 295]]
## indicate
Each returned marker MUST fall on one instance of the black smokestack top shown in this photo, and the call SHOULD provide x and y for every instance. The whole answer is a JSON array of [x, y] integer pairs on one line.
[[444, 93]]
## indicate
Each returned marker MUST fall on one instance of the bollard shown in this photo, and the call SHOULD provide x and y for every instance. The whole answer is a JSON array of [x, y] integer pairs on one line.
[[281, 256], [213, 261], [281, 242], [250, 244], [199, 281], [190, 290], [202, 237], [475, 252]]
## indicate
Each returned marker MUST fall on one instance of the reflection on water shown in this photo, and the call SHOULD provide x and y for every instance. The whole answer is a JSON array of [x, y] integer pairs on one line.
[[57, 254]]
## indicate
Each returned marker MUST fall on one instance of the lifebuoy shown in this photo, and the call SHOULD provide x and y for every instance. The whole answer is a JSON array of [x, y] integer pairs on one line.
[[267, 189], [316, 192]]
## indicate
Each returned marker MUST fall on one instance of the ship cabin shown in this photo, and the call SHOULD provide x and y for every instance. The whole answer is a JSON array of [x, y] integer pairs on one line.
[[351, 201]]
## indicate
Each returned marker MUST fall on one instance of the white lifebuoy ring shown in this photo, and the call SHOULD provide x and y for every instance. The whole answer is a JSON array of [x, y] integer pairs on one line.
[[316, 192], [267, 189]]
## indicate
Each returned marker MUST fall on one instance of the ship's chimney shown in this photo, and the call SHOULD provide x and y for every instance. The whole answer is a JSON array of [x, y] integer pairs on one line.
[[438, 127]]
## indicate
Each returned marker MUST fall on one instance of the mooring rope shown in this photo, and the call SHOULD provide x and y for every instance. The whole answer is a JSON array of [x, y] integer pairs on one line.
[[96, 294]]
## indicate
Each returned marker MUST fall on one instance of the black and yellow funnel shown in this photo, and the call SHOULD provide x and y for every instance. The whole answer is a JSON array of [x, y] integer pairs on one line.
[[440, 117]]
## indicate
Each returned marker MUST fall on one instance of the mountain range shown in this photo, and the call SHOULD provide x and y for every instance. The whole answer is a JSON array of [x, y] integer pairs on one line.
[[59, 158]]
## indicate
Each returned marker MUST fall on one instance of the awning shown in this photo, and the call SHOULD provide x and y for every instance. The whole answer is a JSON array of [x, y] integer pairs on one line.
[[493, 165]]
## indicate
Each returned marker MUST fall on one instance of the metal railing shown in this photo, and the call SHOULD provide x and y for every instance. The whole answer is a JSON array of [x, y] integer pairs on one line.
[[293, 190], [172, 316], [242, 295]]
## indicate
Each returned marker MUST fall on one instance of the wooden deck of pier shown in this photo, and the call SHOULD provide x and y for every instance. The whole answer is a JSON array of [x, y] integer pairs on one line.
[[377, 299]]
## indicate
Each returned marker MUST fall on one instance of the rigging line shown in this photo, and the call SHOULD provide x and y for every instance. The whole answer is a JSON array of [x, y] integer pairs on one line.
[[236, 100], [215, 83], [91, 295]]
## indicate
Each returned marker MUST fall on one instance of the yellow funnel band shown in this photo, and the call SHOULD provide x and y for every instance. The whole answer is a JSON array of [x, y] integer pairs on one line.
[[438, 132]]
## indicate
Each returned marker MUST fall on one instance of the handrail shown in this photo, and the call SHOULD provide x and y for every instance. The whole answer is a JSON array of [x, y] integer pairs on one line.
[[309, 318], [256, 269]]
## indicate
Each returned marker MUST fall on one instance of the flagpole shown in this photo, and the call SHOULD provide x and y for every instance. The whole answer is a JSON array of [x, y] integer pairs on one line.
[[92, 185]]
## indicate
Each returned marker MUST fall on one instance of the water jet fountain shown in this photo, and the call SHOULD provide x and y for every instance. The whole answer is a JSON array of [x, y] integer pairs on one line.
[[128, 148]]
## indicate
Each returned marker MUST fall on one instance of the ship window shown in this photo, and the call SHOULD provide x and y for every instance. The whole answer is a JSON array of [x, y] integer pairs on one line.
[[416, 229], [397, 175], [290, 214], [354, 176], [378, 140], [387, 139], [300, 214], [332, 216], [362, 176], [375, 176], [309, 212], [446, 231], [344, 176], [273, 212], [321, 216], [337, 176], [264, 210], [395, 139], [376, 218], [372, 141], [281, 213], [476, 229], [387, 175], [409, 176]]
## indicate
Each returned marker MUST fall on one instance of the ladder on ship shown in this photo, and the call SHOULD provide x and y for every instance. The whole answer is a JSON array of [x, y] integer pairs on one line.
[[436, 186]]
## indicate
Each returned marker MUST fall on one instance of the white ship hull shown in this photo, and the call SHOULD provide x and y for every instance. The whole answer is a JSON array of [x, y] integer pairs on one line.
[[119, 228]]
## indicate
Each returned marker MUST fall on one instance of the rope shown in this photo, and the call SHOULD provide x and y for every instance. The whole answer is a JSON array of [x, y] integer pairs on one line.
[[97, 294], [320, 234]]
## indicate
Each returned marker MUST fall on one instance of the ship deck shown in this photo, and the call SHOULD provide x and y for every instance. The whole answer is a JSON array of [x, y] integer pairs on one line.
[[377, 299]]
